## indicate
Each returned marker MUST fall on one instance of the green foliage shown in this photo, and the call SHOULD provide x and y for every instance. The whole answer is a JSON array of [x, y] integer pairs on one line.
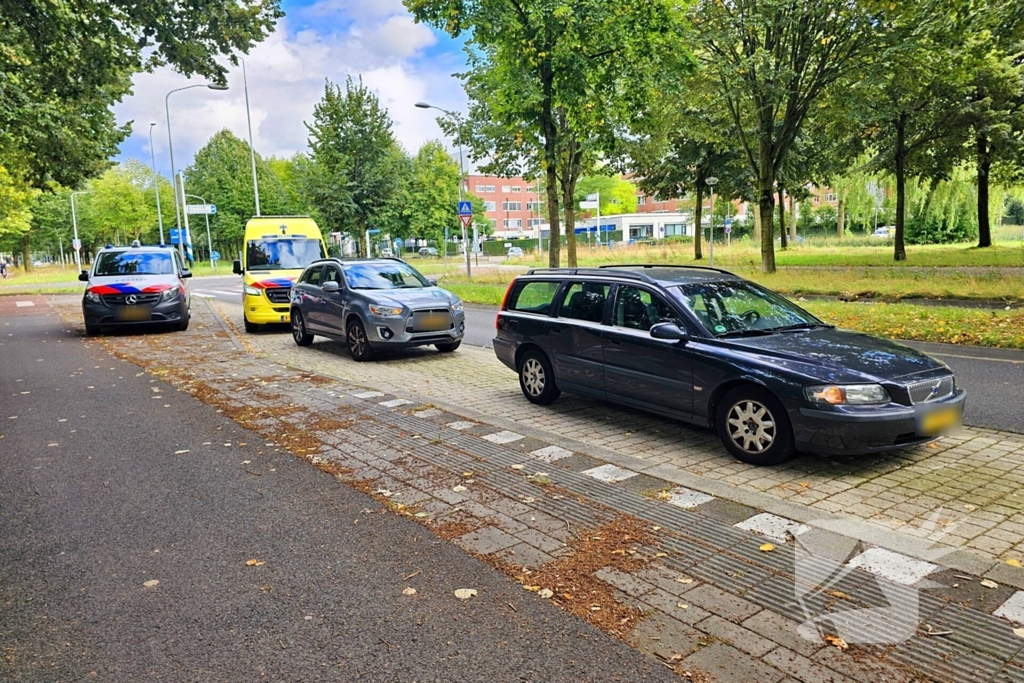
[[618, 195], [359, 169], [16, 197]]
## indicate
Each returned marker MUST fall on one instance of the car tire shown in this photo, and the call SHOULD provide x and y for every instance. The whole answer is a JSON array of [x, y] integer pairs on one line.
[[299, 333], [537, 378], [449, 347], [358, 344], [183, 325], [753, 425], [250, 327], [92, 330]]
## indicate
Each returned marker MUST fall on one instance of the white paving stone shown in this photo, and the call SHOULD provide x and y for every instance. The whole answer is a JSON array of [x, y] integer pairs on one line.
[[368, 394], [1013, 609], [461, 425], [429, 412], [773, 526], [551, 453], [503, 437], [23, 304], [394, 403], [610, 473], [687, 499], [894, 566]]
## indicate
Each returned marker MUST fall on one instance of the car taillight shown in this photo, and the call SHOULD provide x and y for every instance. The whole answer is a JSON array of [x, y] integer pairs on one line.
[[504, 304]]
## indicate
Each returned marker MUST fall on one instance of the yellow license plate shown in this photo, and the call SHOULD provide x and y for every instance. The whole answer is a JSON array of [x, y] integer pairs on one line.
[[133, 313], [939, 421], [431, 322]]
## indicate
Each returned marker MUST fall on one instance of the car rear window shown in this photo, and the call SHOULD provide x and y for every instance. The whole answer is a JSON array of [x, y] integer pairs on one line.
[[533, 297]]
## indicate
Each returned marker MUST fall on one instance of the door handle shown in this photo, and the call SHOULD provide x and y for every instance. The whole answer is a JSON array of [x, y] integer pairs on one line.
[[614, 341], [554, 329]]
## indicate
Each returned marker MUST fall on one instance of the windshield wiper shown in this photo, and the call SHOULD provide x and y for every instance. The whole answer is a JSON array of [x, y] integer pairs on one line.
[[745, 333], [802, 326]]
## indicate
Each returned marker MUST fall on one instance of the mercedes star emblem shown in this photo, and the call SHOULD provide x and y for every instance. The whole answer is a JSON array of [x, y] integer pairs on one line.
[[131, 299]]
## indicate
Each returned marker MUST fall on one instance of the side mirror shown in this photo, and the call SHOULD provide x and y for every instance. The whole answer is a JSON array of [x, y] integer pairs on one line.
[[186, 273], [84, 276], [236, 267], [669, 331], [330, 286], [432, 281]]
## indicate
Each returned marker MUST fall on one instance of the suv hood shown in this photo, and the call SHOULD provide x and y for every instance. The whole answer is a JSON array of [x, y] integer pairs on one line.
[[835, 355], [132, 284], [418, 297]]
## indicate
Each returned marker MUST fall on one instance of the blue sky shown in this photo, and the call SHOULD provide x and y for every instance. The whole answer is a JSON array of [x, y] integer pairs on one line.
[[317, 39]]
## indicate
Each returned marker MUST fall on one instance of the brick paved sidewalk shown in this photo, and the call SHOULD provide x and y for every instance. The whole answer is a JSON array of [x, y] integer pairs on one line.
[[697, 587]]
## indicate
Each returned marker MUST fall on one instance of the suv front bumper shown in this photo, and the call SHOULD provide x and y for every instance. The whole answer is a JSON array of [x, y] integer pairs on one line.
[[396, 333]]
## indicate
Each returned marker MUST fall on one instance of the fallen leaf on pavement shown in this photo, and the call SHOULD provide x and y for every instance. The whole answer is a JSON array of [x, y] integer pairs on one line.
[[661, 554], [151, 583], [767, 547], [682, 605], [467, 474], [254, 563], [459, 488], [1019, 632], [836, 642], [682, 580], [1014, 563], [655, 528], [988, 583], [409, 591], [517, 467], [969, 507], [839, 594], [422, 514], [545, 593], [465, 593], [532, 589], [619, 552], [181, 452], [383, 492]]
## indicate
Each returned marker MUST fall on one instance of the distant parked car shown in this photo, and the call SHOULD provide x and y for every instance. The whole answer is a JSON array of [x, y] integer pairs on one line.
[[883, 232], [515, 252], [428, 252], [386, 253], [373, 304]]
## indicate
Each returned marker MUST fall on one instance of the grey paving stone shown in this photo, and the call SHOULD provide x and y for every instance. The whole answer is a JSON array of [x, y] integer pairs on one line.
[[737, 636], [868, 669], [661, 635], [945, 660], [487, 540], [717, 601], [669, 604], [728, 572], [970, 593], [726, 663], [539, 540], [667, 579], [726, 511], [781, 630], [802, 668], [627, 583], [1009, 674], [773, 527], [526, 556]]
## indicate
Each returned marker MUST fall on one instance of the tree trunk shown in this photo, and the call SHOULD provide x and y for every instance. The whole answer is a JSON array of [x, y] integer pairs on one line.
[[26, 254], [899, 248], [755, 210], [766, 182], [841, 217], [783, 243], [698, 212], [792, 220], [555, 241], [984, 165]]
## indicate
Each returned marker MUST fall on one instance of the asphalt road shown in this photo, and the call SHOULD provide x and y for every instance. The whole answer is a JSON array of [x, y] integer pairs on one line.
[[993, 377], [95, 502]]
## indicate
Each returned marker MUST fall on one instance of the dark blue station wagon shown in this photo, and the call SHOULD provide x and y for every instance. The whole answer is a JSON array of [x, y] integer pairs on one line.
[[706, 346]]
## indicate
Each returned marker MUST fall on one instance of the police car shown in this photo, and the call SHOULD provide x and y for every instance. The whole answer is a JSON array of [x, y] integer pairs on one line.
[[136, 285]]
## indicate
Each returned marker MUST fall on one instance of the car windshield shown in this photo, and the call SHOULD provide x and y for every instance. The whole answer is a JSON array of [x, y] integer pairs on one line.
[[394, 275], [134, 263], [282, 254], [733, 309]]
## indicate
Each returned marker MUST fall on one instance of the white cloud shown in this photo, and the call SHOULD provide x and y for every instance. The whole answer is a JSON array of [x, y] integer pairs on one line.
[[286, 76]]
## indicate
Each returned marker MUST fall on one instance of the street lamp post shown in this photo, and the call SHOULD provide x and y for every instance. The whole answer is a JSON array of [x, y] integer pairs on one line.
[[156, 184], [77, 244], [462, 173], [712, 181], [209, 243], [252, 150], [170, 148]]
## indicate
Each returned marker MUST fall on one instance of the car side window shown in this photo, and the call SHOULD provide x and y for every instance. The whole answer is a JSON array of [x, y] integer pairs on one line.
[[332, 274], [313, 276], [638, 309], [584, 301], [533, 297], [177, 260]]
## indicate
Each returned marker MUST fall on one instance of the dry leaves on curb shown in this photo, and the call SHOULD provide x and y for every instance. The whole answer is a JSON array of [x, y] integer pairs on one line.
[[545, 593], [988, 583], [767, 547], [837, 642], [1014, 563], [1019, 632], [409, 591], [465, 593], [151, 583], [254, 563]]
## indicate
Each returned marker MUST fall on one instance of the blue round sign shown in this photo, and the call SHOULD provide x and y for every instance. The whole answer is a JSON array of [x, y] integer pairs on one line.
[[215, 255]]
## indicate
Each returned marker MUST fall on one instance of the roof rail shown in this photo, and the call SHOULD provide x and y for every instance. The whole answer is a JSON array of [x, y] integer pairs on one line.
[[632, 275], [665, 265]]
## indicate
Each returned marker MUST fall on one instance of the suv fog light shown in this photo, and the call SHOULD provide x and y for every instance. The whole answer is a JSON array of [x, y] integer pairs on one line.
[[385, 333]]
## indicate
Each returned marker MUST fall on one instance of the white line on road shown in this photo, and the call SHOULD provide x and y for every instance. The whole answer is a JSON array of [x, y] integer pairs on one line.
[[997, 360]]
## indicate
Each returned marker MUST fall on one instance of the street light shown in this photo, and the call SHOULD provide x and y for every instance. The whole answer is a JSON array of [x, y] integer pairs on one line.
[[209, 243], [712, 181], [462, 173], [170, 148], [156, 184], [77, 244], [252, 150]]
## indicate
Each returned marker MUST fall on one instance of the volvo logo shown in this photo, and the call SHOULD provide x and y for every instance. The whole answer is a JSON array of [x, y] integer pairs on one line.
[[131, 299], [935, 389]]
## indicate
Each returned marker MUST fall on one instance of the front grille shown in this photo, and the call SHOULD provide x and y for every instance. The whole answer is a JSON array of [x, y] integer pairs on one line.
[[140, 299], [931, 390], [279, 295], [430, 320]]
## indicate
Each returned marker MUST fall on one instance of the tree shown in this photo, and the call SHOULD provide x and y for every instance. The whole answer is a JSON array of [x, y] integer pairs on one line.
[[120, 205], [772, 59], [16, 198], [431, 197], [65, 64], [356, 183], [549, 82], [618, 195]]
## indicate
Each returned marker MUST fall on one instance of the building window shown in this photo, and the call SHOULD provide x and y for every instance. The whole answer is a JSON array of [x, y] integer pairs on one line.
[[494, 223], [506, 188], [516, 188], [830, 197], [512, 206], [490, 188], [641, 200], [490, 206], [534, 206], [534, 222], [513, 224], [481, 188], [814, 200]]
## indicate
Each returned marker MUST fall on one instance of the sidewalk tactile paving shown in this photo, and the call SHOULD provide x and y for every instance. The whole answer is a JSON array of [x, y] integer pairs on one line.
[[394, 403], [894, 566], [1013, 608], [503, 437], [687, 499], [551, 453], [610, 474], [773, 526], [460, 425]]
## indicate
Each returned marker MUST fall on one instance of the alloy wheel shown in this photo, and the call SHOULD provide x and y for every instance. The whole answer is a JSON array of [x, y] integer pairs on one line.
[[356, 340], [533, 376], [298, 329], [751, 426]]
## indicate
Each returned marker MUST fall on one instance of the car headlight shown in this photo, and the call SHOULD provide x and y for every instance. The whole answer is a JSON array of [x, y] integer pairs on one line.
[[457, 307], [169, 294], [252, 291], [385, 311], [850, 394], [93, 297]]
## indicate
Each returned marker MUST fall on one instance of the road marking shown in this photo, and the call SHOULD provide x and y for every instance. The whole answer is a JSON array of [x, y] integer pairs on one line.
[[24, 304], [611, 474], [997, 360], [773, 526]]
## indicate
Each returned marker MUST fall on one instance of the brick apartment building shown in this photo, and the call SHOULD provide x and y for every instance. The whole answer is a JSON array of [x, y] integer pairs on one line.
[[512, 205]]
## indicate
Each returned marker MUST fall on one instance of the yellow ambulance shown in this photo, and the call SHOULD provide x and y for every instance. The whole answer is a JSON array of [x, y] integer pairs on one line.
[[276, 250]]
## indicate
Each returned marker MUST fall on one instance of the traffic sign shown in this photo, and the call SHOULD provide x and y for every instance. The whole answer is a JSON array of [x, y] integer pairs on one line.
[[728, 225], [175, 236], [466, 220], [215, 255], [76, 244], [200, 209], [589, 205], [398, 243], [465, 209]]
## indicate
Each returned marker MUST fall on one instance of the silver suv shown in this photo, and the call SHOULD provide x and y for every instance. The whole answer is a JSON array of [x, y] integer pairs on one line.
[[136, 285], [373, 304]]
